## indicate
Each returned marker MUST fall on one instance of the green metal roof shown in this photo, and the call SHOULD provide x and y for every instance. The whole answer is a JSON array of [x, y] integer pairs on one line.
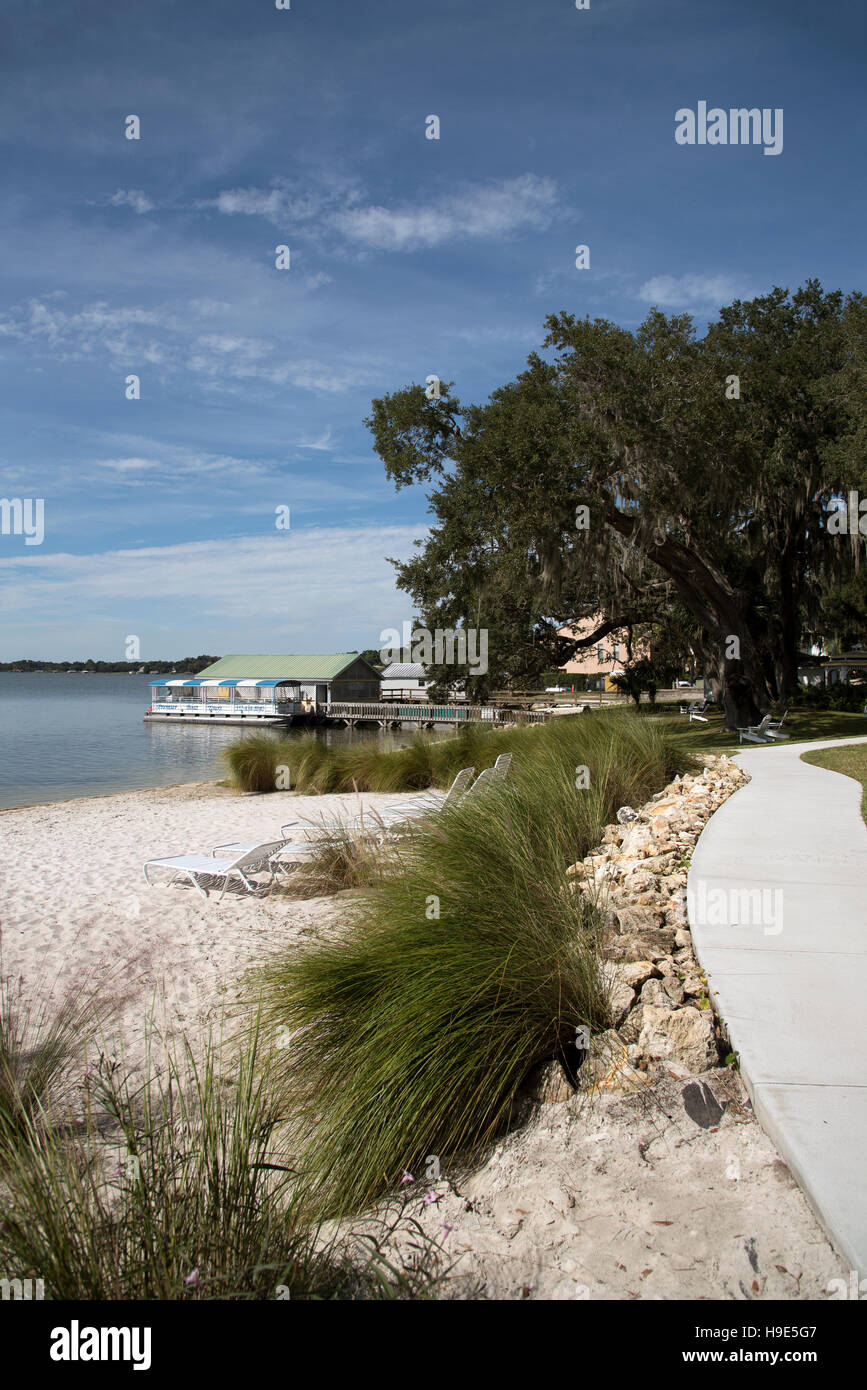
[[319, 667]]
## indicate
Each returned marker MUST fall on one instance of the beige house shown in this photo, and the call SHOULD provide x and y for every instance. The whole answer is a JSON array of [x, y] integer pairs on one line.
[[604, 658]]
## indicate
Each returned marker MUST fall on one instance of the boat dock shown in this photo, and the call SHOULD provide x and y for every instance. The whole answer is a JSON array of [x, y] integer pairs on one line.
[[395, 714]]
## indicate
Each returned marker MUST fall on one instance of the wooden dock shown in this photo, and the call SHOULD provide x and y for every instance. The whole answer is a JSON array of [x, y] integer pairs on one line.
[[394, 714]]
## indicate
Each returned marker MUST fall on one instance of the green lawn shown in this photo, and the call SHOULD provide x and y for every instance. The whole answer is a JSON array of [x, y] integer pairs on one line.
[[801, 725], [851, 760]]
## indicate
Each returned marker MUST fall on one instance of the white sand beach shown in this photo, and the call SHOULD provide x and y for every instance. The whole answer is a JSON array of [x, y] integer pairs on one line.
[[76, 909], [627, 1200]]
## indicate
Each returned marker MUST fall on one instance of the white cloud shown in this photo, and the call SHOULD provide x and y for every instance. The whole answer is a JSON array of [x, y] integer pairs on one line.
[[686, 291], [483, 211], [304, 589], [168, 339], [131, 198]]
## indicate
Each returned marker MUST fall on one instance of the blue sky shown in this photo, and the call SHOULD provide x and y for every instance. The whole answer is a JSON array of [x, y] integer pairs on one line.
[[409, 256]]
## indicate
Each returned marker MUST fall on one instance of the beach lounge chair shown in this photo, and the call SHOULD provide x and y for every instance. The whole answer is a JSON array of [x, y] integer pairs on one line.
[[244, 846], [406, 813], [196, 866], [424, 804]]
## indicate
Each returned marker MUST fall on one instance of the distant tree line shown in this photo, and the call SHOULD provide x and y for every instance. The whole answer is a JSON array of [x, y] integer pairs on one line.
[[190, 665]]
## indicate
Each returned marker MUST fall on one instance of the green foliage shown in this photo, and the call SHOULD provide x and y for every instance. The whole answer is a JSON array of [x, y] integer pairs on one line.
[[698, 503], [840, 695], [471, 960]]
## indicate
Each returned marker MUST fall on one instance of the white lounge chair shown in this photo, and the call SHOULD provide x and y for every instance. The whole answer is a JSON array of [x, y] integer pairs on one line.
[[488, 777], [757, 733], [426, 803], [196, 866], [775, 728]]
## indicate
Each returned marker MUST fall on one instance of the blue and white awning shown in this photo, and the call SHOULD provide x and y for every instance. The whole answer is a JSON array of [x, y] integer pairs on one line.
[[214, 681]]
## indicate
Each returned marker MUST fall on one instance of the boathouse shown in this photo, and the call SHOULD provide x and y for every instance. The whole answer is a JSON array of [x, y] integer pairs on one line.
[[265, 689]]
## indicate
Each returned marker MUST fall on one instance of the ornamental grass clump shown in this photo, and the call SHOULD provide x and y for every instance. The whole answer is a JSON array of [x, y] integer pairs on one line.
[[175, 1190], [473, 959], [38, 1041]]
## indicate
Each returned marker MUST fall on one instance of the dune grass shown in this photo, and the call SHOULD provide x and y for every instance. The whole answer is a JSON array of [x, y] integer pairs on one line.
[[319, 768], [174, 1190], [410, 1035], [38, 1042]]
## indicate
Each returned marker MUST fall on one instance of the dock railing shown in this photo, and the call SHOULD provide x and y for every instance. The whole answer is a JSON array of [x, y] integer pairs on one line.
[[393, 711]]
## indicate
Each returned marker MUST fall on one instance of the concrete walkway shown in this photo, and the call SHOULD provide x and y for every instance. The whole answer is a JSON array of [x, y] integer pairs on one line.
[[787, 968]]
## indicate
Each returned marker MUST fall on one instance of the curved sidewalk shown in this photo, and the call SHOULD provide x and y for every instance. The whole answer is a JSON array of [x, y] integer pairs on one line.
[[777, 901]]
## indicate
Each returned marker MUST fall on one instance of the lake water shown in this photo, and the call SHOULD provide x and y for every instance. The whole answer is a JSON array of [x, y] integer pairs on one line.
[[84, 735]]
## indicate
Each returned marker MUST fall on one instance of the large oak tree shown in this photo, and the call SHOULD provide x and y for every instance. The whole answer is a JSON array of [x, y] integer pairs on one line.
[[628, 474]]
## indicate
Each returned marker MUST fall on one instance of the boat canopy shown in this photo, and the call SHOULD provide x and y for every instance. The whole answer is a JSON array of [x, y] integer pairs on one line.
[[214, 682]]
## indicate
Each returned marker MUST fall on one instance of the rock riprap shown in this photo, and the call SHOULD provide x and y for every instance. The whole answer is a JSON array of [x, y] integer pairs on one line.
[[660, 1007]]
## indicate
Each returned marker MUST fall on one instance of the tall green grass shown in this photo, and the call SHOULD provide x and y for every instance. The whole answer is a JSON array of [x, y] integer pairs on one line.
[[175, 1190], [316, 767], [38, 1042], [471, 961]]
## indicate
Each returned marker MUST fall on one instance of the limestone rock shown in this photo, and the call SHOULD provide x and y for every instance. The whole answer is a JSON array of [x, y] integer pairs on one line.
[[639, 919], [626, 814], [622, 997], [654, 993], [634, 973], [681, 1035], [649, 946]]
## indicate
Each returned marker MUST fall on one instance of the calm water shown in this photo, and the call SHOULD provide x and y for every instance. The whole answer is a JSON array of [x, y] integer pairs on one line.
[[84, 735]]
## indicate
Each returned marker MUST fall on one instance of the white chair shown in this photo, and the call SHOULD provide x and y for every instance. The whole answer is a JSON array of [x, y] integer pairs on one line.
[[196, 866], [757, 733], [427, 803], [404, 815]]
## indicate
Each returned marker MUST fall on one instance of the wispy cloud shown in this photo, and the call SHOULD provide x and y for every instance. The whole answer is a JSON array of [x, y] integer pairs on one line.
[[497, 209], [477, 211], [131, 198], [317, 579], [691, 291], [167, 339]]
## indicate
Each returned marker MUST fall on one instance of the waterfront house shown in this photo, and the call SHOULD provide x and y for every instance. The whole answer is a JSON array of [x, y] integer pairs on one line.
[[602, 661]]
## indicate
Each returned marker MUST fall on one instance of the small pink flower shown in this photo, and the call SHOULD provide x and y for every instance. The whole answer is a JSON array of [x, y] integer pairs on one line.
[[430, 1197], [447, 1229], [407, 1177], [193, 1279]]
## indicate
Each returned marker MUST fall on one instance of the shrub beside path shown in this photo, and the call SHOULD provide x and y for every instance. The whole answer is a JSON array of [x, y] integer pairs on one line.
[[789, 853]]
